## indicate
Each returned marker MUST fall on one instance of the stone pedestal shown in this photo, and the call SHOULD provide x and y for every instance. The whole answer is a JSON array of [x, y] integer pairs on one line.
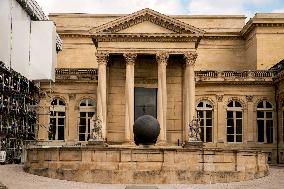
[[151, 165]]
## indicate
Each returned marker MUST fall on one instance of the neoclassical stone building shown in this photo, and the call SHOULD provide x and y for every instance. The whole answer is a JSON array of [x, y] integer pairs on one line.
[[174, 67]]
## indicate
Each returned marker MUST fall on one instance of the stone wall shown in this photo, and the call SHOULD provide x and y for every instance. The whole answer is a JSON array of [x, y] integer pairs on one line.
[[121, 165]]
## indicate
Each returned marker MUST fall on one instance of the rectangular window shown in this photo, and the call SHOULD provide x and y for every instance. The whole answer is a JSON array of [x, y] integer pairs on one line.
[[234, 126], [205, 117]]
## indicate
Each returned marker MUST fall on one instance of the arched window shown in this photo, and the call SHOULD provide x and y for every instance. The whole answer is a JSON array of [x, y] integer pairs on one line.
[[57, 120], [204, 113], [87, 111], [234, 122], [265, 122]]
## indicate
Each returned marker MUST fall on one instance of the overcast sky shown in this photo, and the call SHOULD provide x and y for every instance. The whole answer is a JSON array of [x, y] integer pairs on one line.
[[246, 7]]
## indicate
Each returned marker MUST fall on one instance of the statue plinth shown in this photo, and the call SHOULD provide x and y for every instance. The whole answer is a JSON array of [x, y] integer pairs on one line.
[[97, 143], [193, 144]]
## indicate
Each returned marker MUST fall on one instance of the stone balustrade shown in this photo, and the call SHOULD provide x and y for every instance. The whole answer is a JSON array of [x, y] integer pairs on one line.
[[257, 75], [65, 74]]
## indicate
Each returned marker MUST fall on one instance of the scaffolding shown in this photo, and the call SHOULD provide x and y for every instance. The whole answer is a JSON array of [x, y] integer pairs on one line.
[[19, 99]]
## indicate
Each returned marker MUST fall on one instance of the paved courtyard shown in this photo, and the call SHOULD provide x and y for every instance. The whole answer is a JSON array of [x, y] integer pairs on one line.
[[14, 177]]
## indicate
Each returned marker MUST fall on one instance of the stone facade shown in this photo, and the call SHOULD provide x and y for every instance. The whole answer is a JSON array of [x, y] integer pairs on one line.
[[188, 59]]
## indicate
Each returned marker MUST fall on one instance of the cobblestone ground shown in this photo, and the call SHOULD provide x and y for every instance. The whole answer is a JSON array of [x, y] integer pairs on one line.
[[14, 177]]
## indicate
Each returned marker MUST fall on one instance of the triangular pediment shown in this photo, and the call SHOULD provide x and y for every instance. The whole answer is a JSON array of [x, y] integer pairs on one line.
[[146, 21], [146, 27]]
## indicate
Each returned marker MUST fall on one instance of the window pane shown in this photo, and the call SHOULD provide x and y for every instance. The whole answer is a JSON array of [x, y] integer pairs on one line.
[[230, 104], [239, 127], [61, 103], [61, 113], [91, 114], [209, 134], [54, 102], [229, 114], [269, 131], [268, 114], [208, 105], [260, 114], [208, 114], [202, 122], [230, 122], [200, 114], [52, 132], [82, 114], [208, 122], [82, 121], [239, 138], [200, 104], [239, 114], [82, 129], [260, 132], [60, 121], [52, 121], [61, 133], [81, 137], [260, 105], [230, 138], [268, 105], [202, 134], [83, 104], [237, 104], [230, 130]]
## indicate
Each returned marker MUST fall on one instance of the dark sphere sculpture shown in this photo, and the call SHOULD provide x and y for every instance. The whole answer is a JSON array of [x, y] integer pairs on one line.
[[146, 130]]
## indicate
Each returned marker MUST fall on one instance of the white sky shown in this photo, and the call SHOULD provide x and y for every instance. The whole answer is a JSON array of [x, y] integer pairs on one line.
[[246, 7]]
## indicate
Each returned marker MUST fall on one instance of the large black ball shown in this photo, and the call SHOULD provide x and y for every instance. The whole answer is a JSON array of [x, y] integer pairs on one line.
[[146, 130]]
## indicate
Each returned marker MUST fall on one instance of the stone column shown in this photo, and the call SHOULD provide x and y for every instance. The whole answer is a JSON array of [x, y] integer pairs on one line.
[[129, 97], [189, 91], [162, 59], [102, 59]]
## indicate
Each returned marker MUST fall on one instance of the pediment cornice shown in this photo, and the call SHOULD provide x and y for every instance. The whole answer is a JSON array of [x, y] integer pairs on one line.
[[176, 26]]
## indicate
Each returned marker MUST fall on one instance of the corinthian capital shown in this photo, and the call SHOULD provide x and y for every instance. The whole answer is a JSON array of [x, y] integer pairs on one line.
[[102, 58], [130, 58], [162, 58], [190, 58]]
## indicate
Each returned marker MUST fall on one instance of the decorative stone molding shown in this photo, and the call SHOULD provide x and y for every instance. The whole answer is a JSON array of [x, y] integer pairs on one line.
[[130, 58], [72, 96], [162, 58], [147, 15], [121, 37], [249, 98], [212, 102], [259, 99], [243, 103], [102, 58], [219, 98], [190, 58]]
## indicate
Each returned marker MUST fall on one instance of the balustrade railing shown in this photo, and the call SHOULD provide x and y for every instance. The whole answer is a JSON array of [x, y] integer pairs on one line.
[[79, 73], [236, 74]]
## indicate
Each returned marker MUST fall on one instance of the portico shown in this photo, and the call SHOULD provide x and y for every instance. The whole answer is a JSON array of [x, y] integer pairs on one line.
[[128, 39]]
